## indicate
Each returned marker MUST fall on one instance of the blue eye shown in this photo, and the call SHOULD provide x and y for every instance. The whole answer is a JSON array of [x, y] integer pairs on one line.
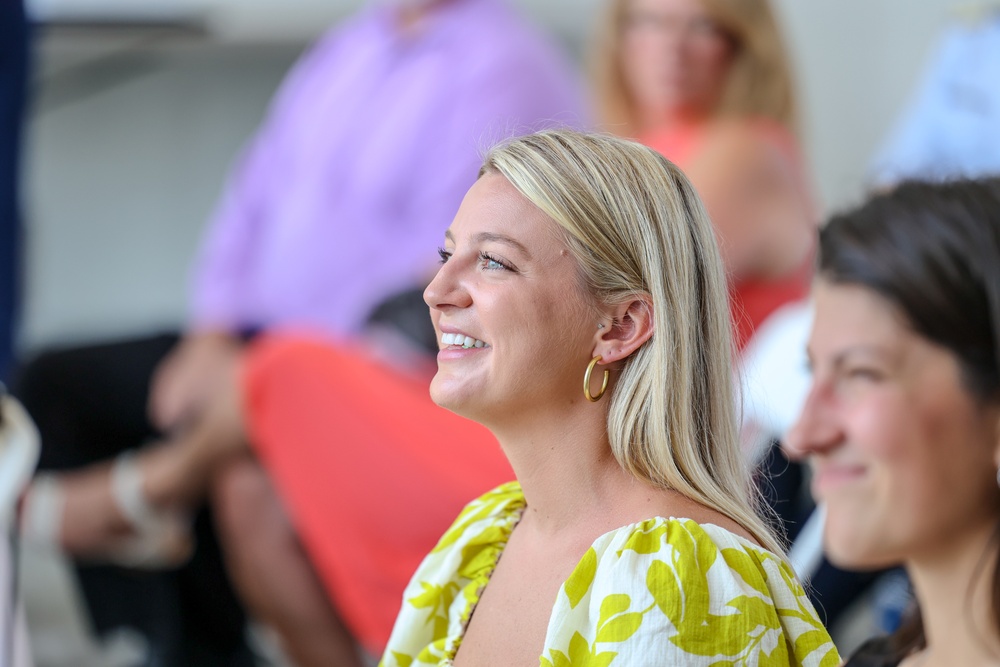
[[444, 255], [490, 263]]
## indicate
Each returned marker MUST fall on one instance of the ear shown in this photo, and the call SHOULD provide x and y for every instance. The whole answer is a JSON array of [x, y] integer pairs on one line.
[[626, 326]]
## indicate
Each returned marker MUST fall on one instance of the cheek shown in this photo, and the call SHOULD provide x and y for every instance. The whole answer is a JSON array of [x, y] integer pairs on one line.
[[863, 519], [957, 449], [549, 336], [920, 453], [641, 60], [908, 458], [880, 426]]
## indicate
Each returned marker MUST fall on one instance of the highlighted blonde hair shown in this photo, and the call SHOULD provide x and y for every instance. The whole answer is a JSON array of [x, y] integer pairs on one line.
[[637, 227], [758, 85]]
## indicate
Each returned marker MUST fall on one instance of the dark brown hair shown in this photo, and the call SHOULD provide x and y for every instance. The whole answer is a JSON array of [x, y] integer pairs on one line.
[[933, 250]]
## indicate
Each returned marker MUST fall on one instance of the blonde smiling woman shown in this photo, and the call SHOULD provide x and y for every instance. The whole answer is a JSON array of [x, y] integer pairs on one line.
[[582, 316]]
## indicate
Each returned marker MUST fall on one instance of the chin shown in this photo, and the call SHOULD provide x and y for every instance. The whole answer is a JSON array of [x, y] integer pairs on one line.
[[450, 398], [856, 552], [438, 394]]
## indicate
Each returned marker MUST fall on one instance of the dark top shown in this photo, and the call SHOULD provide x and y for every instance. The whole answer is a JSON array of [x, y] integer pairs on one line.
[[877, 652]]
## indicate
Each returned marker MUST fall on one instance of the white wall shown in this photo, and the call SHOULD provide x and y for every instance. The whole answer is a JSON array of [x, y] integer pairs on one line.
[[857, 62], [125, 160], [133, 132]]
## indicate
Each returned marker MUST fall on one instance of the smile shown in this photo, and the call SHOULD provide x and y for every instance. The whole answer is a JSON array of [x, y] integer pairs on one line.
[[462, 340], [830, 478]]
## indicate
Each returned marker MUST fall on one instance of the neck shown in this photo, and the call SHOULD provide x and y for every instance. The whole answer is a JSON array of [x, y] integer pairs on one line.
[[572, 483], [410, 16], [954, 587], [675, 118]]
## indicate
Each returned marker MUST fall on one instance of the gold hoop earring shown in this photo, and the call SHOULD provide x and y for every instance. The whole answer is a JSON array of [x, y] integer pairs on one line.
[[586, 380]]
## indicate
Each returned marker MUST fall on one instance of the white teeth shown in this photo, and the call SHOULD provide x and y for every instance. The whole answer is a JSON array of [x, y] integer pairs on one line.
[[461, 339]]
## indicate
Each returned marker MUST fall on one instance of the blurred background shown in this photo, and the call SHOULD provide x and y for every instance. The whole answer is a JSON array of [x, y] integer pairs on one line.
[[140, 107]]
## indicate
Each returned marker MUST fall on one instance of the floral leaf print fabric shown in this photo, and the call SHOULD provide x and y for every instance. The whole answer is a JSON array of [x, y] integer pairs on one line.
[[659, 592]]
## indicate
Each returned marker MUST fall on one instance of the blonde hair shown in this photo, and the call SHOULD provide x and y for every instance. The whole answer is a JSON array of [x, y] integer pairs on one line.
[[637, 227], [759, 83]]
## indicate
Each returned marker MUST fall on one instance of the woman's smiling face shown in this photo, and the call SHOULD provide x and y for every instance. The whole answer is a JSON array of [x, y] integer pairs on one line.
[[903, 455], [514, 325]]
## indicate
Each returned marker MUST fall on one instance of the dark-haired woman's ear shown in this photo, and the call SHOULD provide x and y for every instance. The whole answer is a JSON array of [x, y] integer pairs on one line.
[[624, 329]]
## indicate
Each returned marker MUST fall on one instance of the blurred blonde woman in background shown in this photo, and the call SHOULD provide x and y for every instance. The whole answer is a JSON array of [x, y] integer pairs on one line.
[[708, 84], [630, 536]]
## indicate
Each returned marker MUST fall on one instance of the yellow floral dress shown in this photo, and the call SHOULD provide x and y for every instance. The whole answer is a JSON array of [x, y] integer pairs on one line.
[[658, 592]]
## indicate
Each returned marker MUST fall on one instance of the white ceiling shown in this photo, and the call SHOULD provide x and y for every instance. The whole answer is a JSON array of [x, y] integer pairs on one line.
[[272, 20]]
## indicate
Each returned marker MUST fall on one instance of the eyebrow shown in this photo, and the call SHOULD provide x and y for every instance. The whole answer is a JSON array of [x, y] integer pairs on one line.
[[864, 350], [496, 238]]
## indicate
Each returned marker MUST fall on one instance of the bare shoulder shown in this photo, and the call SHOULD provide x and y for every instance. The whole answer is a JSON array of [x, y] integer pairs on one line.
[[747, 142], [680, 506]]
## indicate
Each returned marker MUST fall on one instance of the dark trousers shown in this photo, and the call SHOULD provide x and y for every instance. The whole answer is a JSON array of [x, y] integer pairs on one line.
[[13, 87], [90, 404]]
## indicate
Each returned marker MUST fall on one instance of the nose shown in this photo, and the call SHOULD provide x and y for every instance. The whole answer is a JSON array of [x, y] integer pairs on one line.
[[816, 430], [446, 288], [671, 33]]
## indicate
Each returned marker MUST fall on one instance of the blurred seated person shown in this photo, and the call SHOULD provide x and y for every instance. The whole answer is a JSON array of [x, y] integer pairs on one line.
[[901, 426], [707, 83], [337, 203], [950, 127]]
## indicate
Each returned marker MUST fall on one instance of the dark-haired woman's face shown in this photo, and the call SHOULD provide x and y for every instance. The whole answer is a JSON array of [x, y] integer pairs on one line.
[[903, 457], [675, 57]]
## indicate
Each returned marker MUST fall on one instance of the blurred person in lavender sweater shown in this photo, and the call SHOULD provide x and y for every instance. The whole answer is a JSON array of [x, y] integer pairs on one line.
[[336, 204], [371, 143]]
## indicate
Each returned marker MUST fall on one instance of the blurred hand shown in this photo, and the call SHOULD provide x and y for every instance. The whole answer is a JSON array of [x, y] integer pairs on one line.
[[186, 379]]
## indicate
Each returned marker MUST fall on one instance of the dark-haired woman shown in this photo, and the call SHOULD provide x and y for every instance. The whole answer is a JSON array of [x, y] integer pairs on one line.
[[901, 422]]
